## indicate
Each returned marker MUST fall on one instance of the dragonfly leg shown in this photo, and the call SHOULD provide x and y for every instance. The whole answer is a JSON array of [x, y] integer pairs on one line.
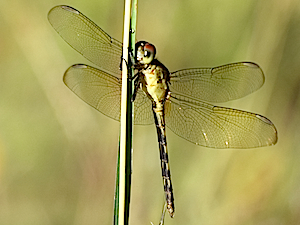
[[121, 63], [132, 62], [162, 218], [137, 83], [131, 56]]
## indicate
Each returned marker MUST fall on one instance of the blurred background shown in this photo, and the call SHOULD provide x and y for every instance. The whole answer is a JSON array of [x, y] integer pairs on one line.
[[58, 155]]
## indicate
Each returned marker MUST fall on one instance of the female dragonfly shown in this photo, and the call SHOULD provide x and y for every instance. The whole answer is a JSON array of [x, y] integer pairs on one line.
[[178, 99]]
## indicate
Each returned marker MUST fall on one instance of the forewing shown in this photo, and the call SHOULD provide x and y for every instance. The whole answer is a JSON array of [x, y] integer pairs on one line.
[[219, 84], [218, 127], [87, 38]]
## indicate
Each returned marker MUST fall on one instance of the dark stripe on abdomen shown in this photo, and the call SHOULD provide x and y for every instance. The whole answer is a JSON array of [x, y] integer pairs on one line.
[[165, 169]]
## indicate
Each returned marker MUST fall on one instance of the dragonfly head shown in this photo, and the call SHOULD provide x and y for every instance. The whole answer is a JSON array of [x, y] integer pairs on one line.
[[145, 52]]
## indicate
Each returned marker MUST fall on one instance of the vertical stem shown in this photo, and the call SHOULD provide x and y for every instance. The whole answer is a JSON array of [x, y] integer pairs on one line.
[[124, 122], [123, 178], [130, 111]]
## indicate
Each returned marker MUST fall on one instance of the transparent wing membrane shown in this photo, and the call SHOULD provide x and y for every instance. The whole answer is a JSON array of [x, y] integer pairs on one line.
[[219, 84], [87, 38], [187, 113], [218, 127], [103, 92], [97, 88]]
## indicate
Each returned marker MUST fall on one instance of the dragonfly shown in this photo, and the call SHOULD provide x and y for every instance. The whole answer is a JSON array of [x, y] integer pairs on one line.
[[181, 100]]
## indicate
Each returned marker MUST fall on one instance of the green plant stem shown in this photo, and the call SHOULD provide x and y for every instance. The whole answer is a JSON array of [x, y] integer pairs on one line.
[[123, 177]]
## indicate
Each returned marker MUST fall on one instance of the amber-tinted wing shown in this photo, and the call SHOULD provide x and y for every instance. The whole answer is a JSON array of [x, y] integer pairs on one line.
[[187, 114], [219, 84], [218, 127], [103, 92], [99, 88], [87, 38]]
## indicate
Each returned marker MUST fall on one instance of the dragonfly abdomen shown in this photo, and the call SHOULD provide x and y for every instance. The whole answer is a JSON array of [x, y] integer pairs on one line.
[[165, 168]]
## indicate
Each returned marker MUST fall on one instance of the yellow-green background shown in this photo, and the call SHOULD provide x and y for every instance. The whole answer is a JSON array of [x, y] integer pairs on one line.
[[58, 155]]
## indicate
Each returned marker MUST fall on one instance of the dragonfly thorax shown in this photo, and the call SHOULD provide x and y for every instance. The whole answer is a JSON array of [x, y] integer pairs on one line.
[[155, 77]]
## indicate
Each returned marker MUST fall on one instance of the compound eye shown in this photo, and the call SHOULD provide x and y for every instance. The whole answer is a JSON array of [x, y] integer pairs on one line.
[[149, 50], [149, 53]]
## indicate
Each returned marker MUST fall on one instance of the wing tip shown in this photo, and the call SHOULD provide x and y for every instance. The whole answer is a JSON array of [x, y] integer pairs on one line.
[[264, 119], [251, 64], [274, 139], [63, 7], [56, 9], [79, 66], [69, 8], [75, 66]]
